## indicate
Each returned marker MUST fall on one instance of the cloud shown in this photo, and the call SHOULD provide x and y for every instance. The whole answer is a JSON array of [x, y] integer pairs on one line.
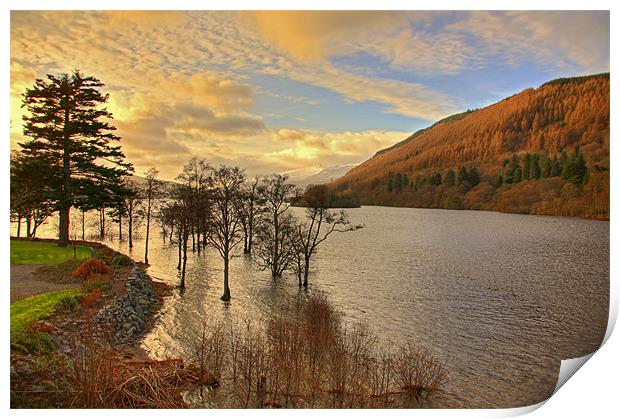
[[315, 35], [328, 148], [573, 40], [443, 42], [183, 83]]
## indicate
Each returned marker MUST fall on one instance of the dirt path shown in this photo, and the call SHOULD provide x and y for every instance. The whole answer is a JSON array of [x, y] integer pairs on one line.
[[24, 285]]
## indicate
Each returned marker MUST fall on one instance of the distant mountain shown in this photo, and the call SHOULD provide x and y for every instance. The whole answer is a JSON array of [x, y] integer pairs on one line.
[[541, 151], [298, 176], [326, 175]]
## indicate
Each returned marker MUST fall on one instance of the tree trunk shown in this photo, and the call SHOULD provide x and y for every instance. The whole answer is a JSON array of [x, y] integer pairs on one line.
[[193, 239], [19, 225], [226, 295], [185, 238], [120, 227], [130, 226], [250, 241], [148, 227], [180, 249], [63, 225], [197, 237], [306, 270], [28, 223], [63, 237], [83, 225], [102, 224]]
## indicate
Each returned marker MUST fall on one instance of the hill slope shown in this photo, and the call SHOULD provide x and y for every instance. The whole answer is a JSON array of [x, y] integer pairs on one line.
[[541, 151]]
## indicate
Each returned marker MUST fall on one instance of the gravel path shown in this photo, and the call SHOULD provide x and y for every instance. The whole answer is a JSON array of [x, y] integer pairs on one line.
[[24, 285]]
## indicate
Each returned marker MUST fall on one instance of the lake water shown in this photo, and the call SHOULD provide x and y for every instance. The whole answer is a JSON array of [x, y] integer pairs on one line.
[[500, 299]]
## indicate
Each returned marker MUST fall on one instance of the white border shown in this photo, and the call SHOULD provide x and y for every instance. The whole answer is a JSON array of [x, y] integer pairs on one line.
[[593, 392]]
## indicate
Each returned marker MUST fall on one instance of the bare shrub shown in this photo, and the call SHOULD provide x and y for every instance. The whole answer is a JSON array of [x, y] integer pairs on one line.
[[90, 267], [417, 372]]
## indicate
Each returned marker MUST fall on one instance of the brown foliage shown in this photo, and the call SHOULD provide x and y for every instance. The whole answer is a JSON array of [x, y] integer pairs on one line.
[[311, 358], [90, 299], [92, 267], [553, 118]]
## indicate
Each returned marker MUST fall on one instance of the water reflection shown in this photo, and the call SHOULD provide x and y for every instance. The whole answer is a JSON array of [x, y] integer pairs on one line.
[[500, 298]]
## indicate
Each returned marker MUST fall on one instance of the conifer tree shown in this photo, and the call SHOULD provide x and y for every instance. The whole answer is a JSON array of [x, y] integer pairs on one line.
[[69, 129]]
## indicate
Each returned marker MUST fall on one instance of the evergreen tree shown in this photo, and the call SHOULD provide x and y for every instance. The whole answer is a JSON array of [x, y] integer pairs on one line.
[[399, 182], [450, 178], [534, 167], [472, 176], [574, 169], [527, 163], [462, 176], [513, 170], [556, 167], [517, 177], [580, 170], [545, 167], [69, 129], [499, 181]]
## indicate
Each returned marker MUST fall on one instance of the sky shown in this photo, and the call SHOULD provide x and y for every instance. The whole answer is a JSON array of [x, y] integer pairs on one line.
[[295, 91]]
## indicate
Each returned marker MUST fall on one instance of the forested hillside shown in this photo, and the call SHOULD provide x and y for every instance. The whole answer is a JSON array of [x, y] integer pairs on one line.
[[541, 151]]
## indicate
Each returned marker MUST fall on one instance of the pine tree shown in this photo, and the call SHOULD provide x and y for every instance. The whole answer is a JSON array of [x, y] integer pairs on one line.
[[450, 178], [545, 167], [462, 176], [534, 167], [68, 128], [527, 163], [472, 176]]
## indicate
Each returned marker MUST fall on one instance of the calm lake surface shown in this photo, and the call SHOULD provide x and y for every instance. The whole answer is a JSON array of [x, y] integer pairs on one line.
[[500, 299]]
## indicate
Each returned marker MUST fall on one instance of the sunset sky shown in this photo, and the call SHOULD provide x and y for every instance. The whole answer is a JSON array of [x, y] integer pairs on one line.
[[281, 91]]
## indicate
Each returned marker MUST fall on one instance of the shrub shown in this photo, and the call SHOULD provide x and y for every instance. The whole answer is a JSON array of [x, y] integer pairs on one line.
[[120, 259], [100, 281], [69, 304], [417, 372], [90, 267], [33, 342], [90, 299]]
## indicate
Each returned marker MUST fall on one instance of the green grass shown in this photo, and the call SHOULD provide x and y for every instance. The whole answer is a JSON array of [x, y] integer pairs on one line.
[[45, 253], [32, 309]]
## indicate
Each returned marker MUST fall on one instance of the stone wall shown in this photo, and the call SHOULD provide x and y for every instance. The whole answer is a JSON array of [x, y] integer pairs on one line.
[[128, 313]]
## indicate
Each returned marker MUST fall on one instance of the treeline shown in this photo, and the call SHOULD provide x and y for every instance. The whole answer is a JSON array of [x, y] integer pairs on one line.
[[222, 208], [533, 166], [562, 126], [463, 178]]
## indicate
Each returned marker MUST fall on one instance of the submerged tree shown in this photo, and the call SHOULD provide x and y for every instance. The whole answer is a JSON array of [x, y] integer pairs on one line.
[[251, 209], [224, 216], [151, 191], [179, 208], [319, 224], [273, 250], [133, 208], [70, 131]]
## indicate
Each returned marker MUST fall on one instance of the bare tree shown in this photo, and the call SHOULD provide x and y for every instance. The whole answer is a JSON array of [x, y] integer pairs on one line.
[[278, 195], [195, 176], [320, 222], [152, 189], [133, 208], [251, 209], [180, 210], [224, 215]]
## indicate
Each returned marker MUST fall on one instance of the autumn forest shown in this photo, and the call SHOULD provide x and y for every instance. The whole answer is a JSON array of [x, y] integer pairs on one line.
[[541, 151]]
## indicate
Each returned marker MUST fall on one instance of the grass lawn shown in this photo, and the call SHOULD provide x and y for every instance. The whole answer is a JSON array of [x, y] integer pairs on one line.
[[45, 253], [29, 310]]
